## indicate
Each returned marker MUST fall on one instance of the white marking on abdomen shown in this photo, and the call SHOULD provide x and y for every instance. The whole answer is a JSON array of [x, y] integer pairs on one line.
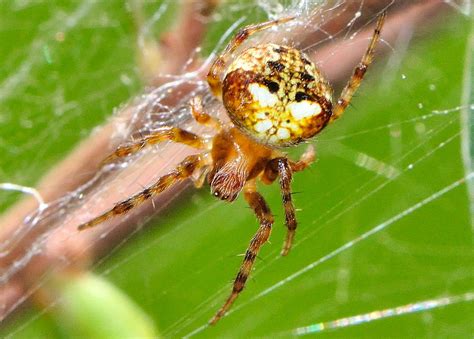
[[262, 95], [304, 109]]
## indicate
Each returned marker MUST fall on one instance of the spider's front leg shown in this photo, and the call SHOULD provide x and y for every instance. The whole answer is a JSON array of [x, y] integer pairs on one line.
[[184, 170], [265, 217], [213, 77], [286, 175], [306, 159], [359, 72], [283, 168]]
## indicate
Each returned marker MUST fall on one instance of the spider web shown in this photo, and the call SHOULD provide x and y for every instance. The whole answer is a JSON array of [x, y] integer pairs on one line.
[[385, 237]]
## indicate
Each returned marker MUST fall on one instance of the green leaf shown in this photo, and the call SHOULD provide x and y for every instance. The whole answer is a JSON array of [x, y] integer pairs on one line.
[[91, 307]]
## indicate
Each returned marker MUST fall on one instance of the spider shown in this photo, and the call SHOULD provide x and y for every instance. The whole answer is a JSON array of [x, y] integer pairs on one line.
[[275, 98]]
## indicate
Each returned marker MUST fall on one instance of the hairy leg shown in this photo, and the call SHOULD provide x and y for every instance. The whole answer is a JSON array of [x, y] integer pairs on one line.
[[184, 170], [213, 77], [270, 173], [359, 72], [172, 134], [284, 168], [265, 218], [306, 159], [202, 117], [286, 174]]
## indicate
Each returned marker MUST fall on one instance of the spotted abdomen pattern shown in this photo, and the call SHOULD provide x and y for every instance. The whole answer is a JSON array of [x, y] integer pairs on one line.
[[276, 95]]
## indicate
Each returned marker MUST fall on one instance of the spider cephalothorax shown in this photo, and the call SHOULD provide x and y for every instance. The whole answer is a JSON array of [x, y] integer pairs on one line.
[[275, 97]]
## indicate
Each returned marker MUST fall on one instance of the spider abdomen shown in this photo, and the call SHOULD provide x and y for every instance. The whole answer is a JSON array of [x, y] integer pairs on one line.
[[276, 95]]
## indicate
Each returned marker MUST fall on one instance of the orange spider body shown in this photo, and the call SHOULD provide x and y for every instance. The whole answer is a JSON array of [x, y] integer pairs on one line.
[[236, 159], [275, 97]]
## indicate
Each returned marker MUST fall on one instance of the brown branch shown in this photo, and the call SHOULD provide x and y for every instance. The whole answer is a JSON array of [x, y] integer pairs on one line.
[[79, 167]]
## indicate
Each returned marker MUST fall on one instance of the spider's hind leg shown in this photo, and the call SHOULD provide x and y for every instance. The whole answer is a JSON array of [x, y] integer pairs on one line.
[[184, 170]]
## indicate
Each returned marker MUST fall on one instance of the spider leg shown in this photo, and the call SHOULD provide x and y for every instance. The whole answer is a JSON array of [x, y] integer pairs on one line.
[[213, 77], [265, 217], [284, 168], [359, 72], [202, 117], [184, 170], [286, 175], [306, 159], [270, 172], [172, 134]]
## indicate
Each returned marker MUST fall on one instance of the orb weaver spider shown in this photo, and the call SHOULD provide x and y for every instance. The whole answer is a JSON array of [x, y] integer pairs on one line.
[[275, 98]]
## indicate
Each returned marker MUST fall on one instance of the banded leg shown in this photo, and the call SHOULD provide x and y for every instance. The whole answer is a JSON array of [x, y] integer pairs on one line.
[[271, 170], [172, 134], [359, 72], [184, 170], [286, 175], [265, 217], [202, 117], [213, 77]]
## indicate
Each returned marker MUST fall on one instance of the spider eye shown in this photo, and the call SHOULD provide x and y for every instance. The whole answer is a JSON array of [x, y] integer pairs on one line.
[[300, 96]]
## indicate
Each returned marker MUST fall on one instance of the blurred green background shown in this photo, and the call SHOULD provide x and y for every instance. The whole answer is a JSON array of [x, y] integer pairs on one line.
[[391, 151]]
